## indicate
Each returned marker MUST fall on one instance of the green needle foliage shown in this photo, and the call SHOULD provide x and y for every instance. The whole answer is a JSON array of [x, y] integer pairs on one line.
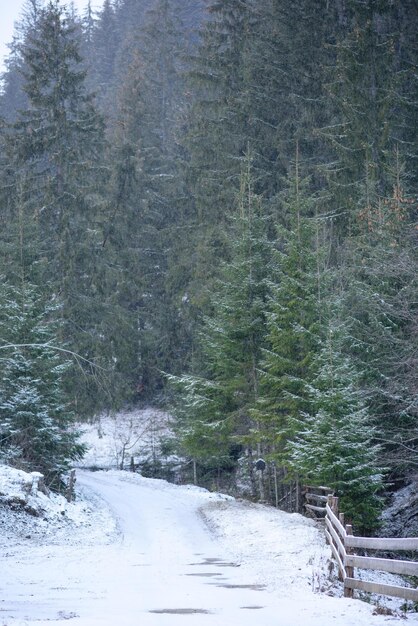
[[214, 413], [288, 362], [336, 445], [36, 424]]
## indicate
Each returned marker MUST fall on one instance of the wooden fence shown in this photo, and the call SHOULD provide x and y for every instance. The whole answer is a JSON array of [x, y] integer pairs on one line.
[[316, 500], [342, 542]]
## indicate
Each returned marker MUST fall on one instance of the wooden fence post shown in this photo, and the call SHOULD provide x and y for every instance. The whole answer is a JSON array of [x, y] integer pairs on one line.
[[70, 487], [329, 503], [335, 505], [348, 593]]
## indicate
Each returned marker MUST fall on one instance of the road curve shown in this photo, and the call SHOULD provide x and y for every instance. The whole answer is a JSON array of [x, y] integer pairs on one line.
[[162, 568]]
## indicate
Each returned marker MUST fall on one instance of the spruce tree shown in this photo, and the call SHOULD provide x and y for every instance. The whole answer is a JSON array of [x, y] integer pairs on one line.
[[220, 77], [55, 149], [380, 272], [366, 90], [293, 316], [336, 445], [105, 40], [215, 402], [36, 428], [148, 227]]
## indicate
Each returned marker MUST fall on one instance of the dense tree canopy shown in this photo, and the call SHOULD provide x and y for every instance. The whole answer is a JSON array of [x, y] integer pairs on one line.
[[208, 188]]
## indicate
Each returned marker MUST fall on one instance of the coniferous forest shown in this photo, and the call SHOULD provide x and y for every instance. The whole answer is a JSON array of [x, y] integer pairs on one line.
[[212, 206]]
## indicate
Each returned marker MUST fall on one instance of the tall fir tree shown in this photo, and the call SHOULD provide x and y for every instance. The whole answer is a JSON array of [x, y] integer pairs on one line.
[[215, 424], [54, 150], [380, 268], [336, 445], [293, 317], [36, 424]]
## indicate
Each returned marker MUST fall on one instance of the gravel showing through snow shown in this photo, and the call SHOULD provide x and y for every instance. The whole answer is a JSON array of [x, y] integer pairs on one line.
[[143, 552]]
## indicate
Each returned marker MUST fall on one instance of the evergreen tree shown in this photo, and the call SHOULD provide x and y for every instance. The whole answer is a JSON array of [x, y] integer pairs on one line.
[[105, 38], [214, 406], [367, 92], [336, 445], [293, 316], [220, 76], [36, 432], [148, 226], [381, 291], [12, 95], [54, 150], [290, 56]]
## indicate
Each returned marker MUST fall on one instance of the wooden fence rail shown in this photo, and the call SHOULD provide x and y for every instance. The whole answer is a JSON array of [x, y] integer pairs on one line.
[[316, 499], [342, 542]]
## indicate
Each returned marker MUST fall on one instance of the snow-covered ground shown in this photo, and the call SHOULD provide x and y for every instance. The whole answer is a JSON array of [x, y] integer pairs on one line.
[[132, 551], [113, 439]]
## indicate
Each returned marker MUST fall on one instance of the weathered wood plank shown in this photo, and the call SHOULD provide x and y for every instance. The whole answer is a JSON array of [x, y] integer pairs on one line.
[[311, 488], [336, 540], [315, 497], [378, 543], [318, 509], [394, 566], [348, 592], [336, 522], [387, 590], [336, 555]]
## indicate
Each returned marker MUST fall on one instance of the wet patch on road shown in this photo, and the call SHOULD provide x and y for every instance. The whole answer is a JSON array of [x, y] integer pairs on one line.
[[230, 586], [180, 611], [208, 574], [217, 562]]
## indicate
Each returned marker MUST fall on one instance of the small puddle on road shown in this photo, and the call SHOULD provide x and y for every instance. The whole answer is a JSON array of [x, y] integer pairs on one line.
[[217, 562], [208, 574], [229, 586], [180, 611]]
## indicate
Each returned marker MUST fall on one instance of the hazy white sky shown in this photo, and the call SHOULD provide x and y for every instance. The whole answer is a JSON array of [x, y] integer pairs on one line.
[[9, 13]]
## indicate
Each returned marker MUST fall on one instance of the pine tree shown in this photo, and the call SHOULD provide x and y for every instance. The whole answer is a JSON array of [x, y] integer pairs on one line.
[[214, 406], [36, 432], [336, 445], [147, 228], [293, 317], [380, 271], [55, 150]]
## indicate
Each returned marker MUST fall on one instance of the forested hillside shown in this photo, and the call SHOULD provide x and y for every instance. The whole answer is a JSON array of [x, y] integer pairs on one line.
[[213, 205]]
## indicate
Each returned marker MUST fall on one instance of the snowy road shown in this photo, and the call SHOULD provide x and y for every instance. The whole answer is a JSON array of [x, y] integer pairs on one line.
[[162, 568]]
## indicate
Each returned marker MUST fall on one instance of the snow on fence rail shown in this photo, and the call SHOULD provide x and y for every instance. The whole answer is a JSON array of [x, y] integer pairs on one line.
[[342, 542]]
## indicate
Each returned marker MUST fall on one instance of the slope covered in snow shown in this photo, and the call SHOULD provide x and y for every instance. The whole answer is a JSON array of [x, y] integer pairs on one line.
[[113, 439]]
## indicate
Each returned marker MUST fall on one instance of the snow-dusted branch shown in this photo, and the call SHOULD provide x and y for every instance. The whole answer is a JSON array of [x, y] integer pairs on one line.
[[51, 347]]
